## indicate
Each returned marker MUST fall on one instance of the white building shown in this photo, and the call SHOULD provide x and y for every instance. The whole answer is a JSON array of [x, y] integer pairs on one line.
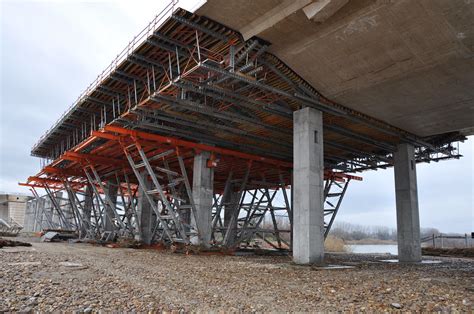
[[13, 207]]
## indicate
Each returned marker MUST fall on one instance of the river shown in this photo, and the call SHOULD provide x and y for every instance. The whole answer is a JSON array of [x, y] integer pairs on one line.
[[373, 248]]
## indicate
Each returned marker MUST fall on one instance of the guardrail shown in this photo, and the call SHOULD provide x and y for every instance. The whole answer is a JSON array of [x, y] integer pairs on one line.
[[443, 237], [122, 56]]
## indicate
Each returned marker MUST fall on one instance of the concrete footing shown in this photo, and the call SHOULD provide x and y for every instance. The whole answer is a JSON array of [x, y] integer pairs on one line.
[[406, 192], [308, 186]]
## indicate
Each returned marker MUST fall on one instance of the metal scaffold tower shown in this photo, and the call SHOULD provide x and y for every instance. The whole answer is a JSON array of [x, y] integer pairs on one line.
[[246, 212]]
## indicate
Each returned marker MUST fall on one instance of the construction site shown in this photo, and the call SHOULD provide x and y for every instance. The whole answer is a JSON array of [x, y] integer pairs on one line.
[[235, 130]]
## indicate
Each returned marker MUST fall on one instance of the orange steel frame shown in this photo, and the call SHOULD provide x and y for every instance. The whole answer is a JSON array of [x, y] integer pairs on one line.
[[116, 137]]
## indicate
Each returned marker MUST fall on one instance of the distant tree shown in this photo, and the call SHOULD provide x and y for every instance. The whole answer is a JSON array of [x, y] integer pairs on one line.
[[425, 232], [382, 233]]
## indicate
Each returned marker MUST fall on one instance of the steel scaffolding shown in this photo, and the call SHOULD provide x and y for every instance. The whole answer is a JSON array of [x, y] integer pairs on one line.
[[187, 85]]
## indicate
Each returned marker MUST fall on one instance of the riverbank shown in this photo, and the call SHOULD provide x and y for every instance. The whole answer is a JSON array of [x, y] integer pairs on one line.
[[459, 252], [83, 277]]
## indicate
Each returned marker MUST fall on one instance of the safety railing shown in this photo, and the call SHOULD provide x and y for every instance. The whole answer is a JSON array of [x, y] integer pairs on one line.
[[122, 56]]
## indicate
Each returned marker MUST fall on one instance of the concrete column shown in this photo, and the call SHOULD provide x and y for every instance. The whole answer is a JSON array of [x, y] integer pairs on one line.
[[185, 213], [55, 214], [40, 219], [30, 211], [145, 212], [406, 194], [112, 189], [308, 186], [232, 203], [203, 184], [87, 209], [48, 213]]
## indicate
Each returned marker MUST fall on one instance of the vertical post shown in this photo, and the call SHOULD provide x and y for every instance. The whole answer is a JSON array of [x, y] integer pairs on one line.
[[109, 214], [308, 170], [231, 204], [203, 184], [406, 192], [144, 212], [87, 209]]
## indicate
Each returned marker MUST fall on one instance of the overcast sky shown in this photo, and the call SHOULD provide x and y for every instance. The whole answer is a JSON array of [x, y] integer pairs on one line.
[[52, 50]]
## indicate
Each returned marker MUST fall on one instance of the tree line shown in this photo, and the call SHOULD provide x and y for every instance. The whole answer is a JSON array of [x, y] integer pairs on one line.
[[348, 231]]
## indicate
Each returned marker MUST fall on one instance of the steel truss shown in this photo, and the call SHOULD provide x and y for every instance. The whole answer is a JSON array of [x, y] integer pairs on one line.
[[262, 211], [170, 195], [245, 213], [93, 212]]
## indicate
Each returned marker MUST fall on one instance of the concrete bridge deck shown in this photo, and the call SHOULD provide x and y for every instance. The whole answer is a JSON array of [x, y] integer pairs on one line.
[[408, 63]]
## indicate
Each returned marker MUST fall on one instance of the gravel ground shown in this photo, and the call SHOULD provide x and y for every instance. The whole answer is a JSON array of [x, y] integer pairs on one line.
[[82, 277]]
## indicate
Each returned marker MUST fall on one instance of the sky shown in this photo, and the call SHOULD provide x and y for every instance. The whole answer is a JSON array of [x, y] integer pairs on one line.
[[50, 51]]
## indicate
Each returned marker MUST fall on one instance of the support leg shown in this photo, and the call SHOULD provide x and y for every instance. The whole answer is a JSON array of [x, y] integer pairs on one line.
[[406, 194], [308, 170]]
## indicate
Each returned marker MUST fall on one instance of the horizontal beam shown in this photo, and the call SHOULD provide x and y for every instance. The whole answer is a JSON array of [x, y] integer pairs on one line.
[[94, 158], [198, 146]]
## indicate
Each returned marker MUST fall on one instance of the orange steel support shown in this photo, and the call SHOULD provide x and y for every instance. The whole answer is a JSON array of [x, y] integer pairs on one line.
[[94, 158], [198, 146]]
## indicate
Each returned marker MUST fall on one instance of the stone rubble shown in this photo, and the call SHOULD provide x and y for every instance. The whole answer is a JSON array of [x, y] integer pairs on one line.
[[149, 280]]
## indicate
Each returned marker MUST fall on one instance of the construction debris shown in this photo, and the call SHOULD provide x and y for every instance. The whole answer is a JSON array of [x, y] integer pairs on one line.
[[55, 236], [4, 242], [10, 229]]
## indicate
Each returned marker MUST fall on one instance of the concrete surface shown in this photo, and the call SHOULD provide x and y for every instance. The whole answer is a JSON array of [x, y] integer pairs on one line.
[[407, 62], [308, 169], [203, 182], [87, 207], [112, 190], [231, 200], [144, 211], [406, 195]]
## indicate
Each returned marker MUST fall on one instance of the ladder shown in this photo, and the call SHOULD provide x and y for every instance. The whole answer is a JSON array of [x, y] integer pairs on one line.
[[166, 193], [104, 202], [334, 191]]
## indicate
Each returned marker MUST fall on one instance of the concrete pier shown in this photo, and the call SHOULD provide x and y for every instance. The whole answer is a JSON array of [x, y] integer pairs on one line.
[[112, 189], [145, 213], [308, 186], [203, 184], [406, 193], [232, 202], [87, 209]]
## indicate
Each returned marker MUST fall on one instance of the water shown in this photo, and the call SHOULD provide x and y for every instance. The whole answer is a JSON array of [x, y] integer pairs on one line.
[[373, 248]]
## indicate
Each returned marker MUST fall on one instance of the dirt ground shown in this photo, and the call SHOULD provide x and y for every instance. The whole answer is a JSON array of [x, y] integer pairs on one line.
[[82, 277]]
